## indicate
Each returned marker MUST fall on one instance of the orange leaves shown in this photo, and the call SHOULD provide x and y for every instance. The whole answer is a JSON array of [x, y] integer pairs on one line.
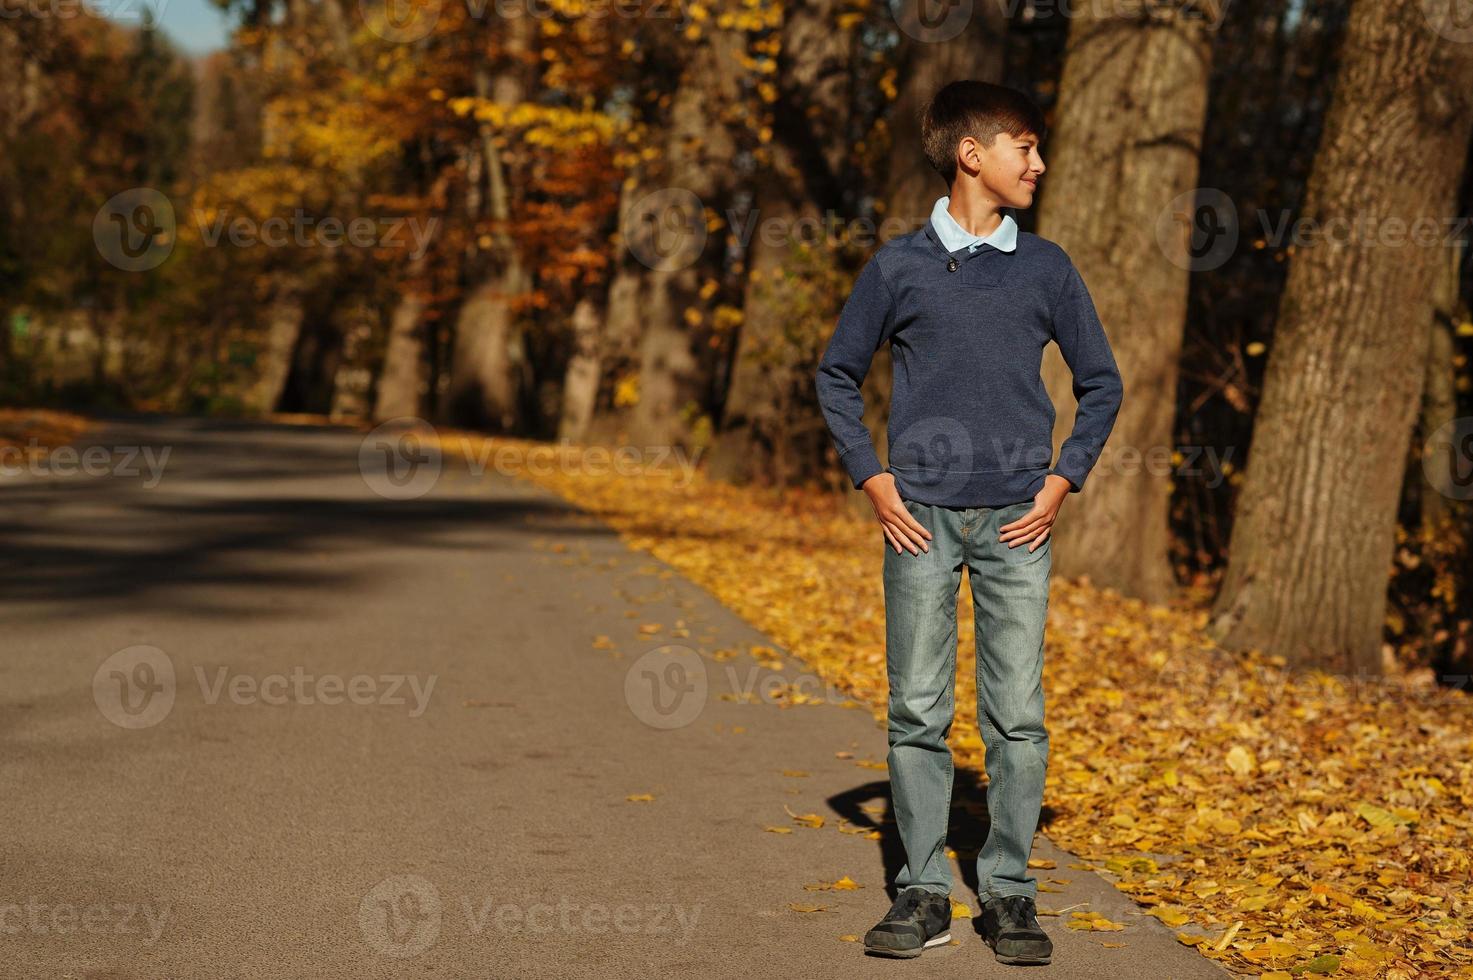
[[1300, 824]]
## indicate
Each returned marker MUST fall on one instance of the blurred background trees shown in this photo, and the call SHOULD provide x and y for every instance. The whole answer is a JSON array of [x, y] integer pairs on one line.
[[635, 224]]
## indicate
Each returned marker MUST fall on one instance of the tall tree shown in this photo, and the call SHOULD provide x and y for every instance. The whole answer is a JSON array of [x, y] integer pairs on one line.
[[487, 385], [1133, 92], [1314, 534], [762, 434]]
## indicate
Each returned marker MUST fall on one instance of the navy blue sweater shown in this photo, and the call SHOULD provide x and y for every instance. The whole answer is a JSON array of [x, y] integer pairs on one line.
[[971, 424]]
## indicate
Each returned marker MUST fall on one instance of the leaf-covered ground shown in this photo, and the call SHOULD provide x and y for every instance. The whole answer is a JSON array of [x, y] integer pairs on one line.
[[35, 431], [1285, 825]]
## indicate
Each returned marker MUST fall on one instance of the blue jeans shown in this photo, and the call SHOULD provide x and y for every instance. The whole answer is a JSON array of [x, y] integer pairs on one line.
[[1010, 598]]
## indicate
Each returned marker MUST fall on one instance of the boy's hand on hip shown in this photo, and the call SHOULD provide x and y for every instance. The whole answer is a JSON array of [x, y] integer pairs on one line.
[[901, 529], [1033, 527]]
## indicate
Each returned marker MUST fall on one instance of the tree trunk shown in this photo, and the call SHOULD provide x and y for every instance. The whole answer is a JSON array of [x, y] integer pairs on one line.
[[674, 369], [812, 144], [580, 385], [401, 382], [1440, 399], [1133, 94], [930, 58], [284, 316], [486, 369], [1312, 542]]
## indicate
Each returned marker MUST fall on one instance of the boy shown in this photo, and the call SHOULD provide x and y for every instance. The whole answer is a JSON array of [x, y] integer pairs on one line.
[[968, 304]]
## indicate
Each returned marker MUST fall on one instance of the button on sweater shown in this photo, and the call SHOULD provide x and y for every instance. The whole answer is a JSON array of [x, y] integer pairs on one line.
[[971, 424]]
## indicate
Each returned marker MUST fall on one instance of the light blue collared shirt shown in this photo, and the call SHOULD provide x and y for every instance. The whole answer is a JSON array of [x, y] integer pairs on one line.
[[954, 236]]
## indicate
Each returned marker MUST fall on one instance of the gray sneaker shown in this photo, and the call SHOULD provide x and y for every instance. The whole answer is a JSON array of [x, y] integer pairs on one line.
[[1010, 926], [918, 920]]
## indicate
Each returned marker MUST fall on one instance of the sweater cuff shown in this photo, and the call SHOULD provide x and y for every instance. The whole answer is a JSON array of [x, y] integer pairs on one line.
[[1074, 466], [1075, 482], [861, 463]]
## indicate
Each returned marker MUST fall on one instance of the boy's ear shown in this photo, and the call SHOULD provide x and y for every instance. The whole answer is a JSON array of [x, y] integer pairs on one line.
[[969, 154]]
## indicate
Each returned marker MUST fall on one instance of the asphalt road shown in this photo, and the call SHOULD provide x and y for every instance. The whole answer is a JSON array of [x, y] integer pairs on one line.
[[264, 715]]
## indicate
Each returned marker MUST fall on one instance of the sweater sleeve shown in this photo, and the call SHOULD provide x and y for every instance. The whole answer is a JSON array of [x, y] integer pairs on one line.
[[1097, 384], [864, 323]]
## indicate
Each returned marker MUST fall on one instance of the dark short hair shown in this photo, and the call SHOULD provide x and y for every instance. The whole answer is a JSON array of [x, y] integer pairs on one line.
[[980, 110]]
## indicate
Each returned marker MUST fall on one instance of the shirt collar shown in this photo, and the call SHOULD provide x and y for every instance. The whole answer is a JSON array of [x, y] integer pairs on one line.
[[953, 236]]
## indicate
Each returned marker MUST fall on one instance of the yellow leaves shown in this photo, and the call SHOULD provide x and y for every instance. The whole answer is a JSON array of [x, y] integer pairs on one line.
[[602, 642], [534, 124], [626, 391], [844, 884], [796, 907], [811, 820], [1382, 819], [887, 85], [795, 773], [1255, 348], [1171, 915], [1241, 761], [1161, 743], [640, 798], [1092, 922]]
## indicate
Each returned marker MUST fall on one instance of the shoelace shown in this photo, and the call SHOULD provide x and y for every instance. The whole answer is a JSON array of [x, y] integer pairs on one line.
[[908, 903]]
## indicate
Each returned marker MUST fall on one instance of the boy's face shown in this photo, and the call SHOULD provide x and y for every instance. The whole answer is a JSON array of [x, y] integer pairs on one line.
[[1008, 170]]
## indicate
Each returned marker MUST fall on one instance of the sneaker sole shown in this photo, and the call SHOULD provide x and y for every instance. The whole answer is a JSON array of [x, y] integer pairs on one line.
[[1022, 958], [905, 954]]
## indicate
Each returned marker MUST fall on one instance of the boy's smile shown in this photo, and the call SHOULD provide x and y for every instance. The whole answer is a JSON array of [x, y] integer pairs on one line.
[[1008, 171], [1011, 168]]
